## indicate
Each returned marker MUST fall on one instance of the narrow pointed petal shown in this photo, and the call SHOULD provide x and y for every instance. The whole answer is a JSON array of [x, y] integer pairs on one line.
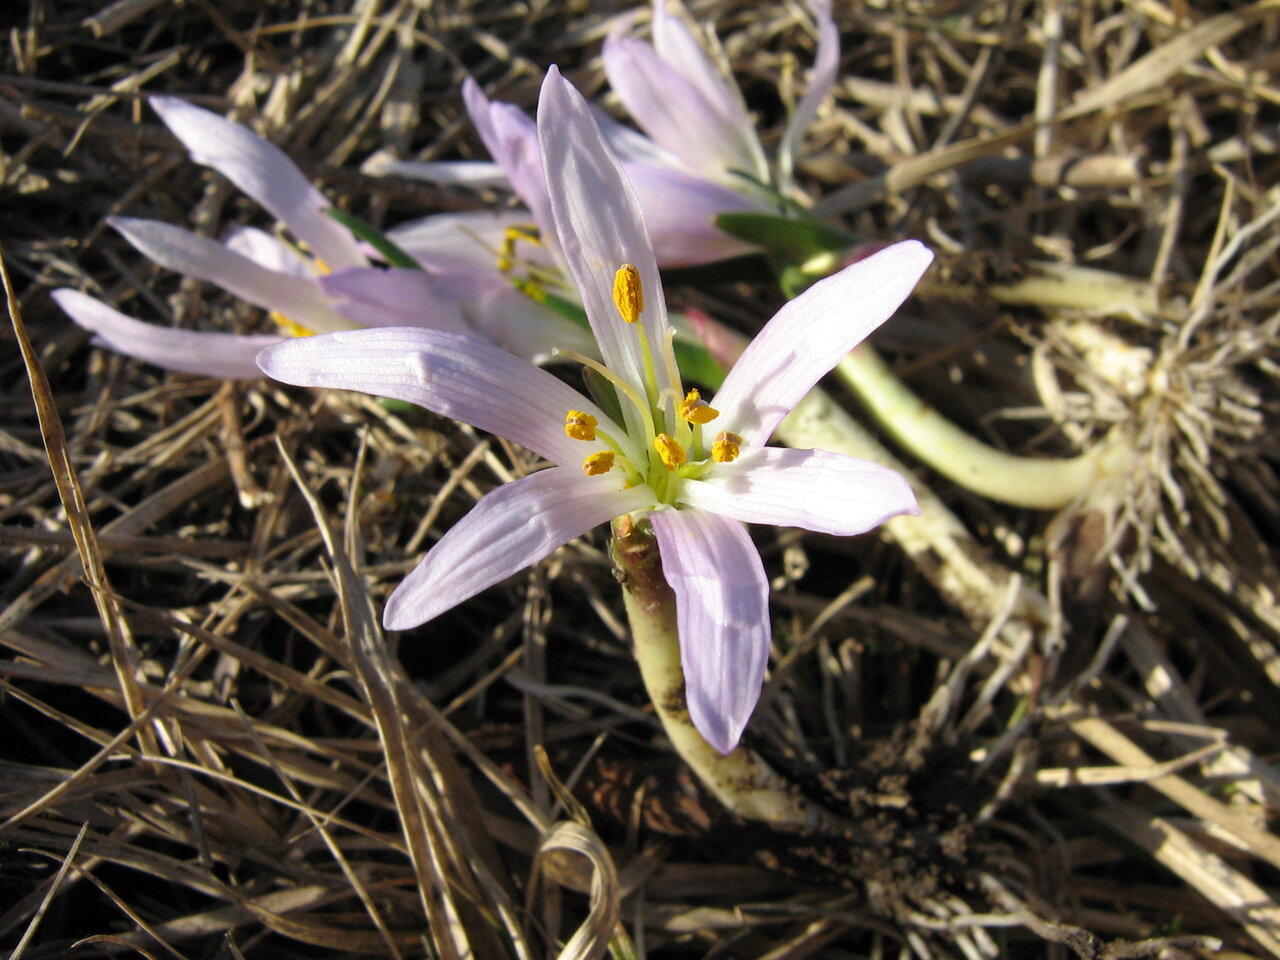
[[722, 615], [821, 79], [510, 528], [373, 297], [810, 334], [599, 226], [184, 252], [631, 146], [267, 251], [453, 375], [814, 489], [265, 173], [469, 173], [680, 212], [677, 45], [512, 140], [677, 114], [222, 355], [471, 240]]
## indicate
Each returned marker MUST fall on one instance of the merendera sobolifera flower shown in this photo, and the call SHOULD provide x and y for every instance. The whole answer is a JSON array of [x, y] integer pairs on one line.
[[697, 468]]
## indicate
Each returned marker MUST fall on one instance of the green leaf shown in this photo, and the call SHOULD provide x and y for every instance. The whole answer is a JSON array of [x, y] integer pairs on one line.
[[569, 309], [697, 364], [375, 238], [604, 394], [792, 241]]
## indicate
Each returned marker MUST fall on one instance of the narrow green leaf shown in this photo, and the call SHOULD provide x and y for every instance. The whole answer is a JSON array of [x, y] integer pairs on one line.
[[697, 365], [790, 240], [375, 238], [604, 394]]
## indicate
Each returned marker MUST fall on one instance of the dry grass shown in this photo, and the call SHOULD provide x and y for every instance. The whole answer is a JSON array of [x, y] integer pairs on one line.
[[1051, 731]]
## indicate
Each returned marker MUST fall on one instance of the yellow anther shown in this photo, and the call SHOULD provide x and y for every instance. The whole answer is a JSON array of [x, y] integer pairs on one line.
[[579, 425], [531, 289], [696, 410], [669, 451], [291, 327], [726, 447], [627, 293], [598, 463], [510, 237]]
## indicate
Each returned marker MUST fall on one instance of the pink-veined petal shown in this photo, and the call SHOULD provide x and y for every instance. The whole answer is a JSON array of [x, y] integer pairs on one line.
[[451, 374], [512, 140], [484, 305], [267, 251], [814, 489], [510, 528], [467, 173], [631, 146], [470, 240], [680, 212], [397, 297], [822, 78], [674, 112], [809, 335], [677, 45], [265, 173], [224, 355], [298, 299], [504, 316], [722, 614], [599, 226]]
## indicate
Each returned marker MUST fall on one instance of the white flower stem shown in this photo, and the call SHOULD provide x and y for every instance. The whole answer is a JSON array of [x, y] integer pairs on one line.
[[1038, 483], [741, 781]]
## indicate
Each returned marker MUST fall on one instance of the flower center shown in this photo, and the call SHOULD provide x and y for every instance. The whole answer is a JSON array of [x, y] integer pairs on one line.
[[670, 447]]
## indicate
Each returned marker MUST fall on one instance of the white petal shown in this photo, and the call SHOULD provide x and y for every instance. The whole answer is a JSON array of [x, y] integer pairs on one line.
[[599, 226], [814, 489], [267, 251], [224, 355], [512, 140], [680, 211], [470, 240], [630, 145], [453, 375], [265, 173], [822, 78], [470, 173], [510, 528], [373, 297], [722, 613], [180, 250], [676, 45], [810, 334]]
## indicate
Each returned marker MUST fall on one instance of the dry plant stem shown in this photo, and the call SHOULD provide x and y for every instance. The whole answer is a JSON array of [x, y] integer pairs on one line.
[[741, 780], [1043, 484]]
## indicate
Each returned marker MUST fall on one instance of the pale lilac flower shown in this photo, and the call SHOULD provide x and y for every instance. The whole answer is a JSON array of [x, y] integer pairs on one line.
[[697, 471], [679, 207], [695, 114], [323, 283]]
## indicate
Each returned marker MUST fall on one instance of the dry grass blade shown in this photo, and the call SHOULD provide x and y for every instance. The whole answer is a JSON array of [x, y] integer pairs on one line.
[[54, 887], [422, 836], [593, 938], [123, 653]]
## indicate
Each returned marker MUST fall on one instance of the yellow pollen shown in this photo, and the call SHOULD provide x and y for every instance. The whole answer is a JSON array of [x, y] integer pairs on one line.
[[627, 293], [598, 463], [669, 451], [579, 425], [696, 410], [510, 237], [726, 447], [291, 327]]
